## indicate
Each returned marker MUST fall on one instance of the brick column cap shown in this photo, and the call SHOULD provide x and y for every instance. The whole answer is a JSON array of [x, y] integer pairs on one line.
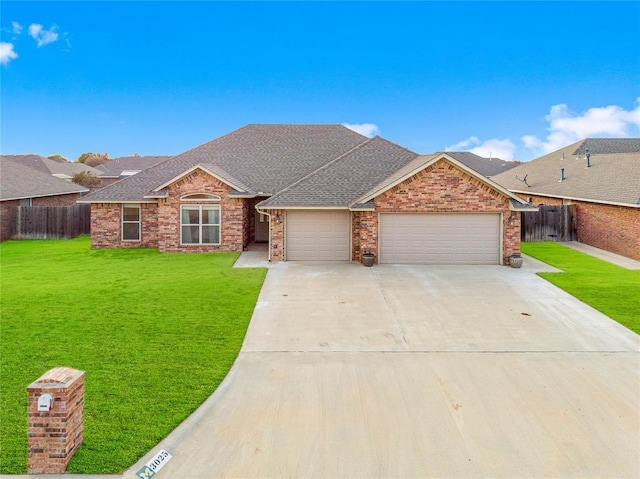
[[57, 377]]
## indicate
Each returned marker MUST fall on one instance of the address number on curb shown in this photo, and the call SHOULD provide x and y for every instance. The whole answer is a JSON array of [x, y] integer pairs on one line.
[[154, 465]]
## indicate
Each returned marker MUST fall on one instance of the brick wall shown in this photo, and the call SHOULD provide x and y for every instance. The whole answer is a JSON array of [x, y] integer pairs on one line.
[[234, 214], [106, 226], [608, 227], [56, 434], [58, 200], [277, 235], [442, 188], [365, 234]]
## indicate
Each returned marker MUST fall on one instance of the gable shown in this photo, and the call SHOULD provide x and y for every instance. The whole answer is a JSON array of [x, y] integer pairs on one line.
[[441, 186]]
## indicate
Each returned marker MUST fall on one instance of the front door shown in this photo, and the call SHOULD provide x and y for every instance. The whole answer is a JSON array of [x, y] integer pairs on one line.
[[262, 228]]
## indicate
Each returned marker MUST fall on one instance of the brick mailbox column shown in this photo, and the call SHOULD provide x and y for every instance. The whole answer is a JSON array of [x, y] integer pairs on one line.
[[56, 403]]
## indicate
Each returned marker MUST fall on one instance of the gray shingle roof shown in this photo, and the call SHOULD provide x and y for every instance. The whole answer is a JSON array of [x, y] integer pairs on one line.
[[614, 176], [116, 166], [343, 181], [267, 159], [484, 166], [46, 165], [19, 181]]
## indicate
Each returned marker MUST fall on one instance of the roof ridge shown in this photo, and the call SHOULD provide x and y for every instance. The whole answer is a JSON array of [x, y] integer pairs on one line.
[[323, 167]]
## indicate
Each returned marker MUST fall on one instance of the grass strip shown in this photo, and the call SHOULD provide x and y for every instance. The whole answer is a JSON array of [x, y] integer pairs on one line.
[[155, 332], [609, 288]]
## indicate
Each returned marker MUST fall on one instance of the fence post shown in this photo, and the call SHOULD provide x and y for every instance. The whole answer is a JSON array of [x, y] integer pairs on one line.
[[56, 403]]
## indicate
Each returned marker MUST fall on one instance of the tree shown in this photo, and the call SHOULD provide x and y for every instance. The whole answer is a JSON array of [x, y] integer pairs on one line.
[[86, 179], [57, 157], [93, 159], [99, 159], [85, 156]]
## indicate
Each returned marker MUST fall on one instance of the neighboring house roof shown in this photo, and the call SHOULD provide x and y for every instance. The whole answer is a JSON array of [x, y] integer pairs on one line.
[[485, 166], [267, 159], [612, 178], [59, 169], [18, 181], [128, 165]]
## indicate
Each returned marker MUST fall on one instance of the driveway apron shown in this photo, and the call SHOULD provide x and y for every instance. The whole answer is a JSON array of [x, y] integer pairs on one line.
[[418, 371]]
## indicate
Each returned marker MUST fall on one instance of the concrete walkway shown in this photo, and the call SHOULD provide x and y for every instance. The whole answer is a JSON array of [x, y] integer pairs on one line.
[[616, 259], [418, 371]]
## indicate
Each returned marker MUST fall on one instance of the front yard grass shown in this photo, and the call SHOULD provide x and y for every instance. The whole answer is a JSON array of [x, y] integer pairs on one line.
[[606, 287], [155, 332]]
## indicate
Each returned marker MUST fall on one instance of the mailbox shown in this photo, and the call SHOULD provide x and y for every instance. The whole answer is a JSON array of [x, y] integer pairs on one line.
[[45, 402]]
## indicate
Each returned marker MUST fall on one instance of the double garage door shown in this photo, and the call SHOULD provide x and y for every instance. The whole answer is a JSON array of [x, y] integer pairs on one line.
[[418, 238], [423, 238]]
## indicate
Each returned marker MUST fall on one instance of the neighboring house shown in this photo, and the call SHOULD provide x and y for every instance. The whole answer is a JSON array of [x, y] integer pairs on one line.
[[488, 167], [119, 168], [601, 177], [63, 170], [313, 192], [22, 185]]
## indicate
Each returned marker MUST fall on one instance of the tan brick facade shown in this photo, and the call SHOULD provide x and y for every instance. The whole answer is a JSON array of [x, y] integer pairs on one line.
[[608, 227]]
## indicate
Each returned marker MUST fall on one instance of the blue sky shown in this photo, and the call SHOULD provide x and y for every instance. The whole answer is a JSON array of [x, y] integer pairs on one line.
[[515, 79]]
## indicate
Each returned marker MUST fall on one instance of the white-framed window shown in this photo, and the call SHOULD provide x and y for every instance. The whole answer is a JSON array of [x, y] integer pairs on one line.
[[26, 202], [200, 224], [130, 222]]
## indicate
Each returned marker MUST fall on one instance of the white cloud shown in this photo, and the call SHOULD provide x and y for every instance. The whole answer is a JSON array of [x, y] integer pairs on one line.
[[6, 53], [494, 147], [566, 127], [366, 129], [41, 36], [16, 28]]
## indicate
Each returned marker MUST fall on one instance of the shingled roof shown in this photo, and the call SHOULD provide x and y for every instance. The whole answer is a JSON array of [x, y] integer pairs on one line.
[[60, 169], [267, 158], [344, 180], [116, 167], [613, 176], [18, 181], [485, 166]]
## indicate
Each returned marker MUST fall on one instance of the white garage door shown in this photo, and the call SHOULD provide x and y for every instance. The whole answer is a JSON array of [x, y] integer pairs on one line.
[[422, 238], [318, 235]]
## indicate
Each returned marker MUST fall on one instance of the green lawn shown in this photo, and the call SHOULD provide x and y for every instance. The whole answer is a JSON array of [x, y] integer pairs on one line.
[[155, 332], [613, 290]]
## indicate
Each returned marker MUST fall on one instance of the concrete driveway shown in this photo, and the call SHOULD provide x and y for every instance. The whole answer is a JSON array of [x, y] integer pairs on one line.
[[418, 371]]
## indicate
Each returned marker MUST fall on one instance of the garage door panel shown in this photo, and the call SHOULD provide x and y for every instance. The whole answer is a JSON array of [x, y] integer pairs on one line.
[[440, 238], [318, 236]]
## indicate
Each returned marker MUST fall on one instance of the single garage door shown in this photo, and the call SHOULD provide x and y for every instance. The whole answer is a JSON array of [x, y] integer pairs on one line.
[[318, 235], [423, 238]]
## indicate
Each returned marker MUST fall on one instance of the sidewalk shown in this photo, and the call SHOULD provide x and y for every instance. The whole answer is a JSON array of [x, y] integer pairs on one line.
[[613, 258]]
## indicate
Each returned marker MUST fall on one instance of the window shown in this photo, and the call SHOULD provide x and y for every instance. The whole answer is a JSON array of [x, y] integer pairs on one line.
[[26, 202], [200, 224], [131, 222]]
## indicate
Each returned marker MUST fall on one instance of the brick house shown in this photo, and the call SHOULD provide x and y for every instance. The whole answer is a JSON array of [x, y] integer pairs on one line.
[[601, 177], [313, 192], [22, 185], [124, 166]]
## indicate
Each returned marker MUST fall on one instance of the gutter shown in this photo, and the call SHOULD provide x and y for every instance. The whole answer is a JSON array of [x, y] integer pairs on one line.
[[268, 215]]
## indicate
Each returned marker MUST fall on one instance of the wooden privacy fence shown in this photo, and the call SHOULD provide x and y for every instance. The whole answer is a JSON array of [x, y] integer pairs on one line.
[[551, 223], [40, 222]]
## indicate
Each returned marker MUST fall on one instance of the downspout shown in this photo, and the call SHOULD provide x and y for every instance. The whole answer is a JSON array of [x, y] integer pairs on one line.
[[262, 212]]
